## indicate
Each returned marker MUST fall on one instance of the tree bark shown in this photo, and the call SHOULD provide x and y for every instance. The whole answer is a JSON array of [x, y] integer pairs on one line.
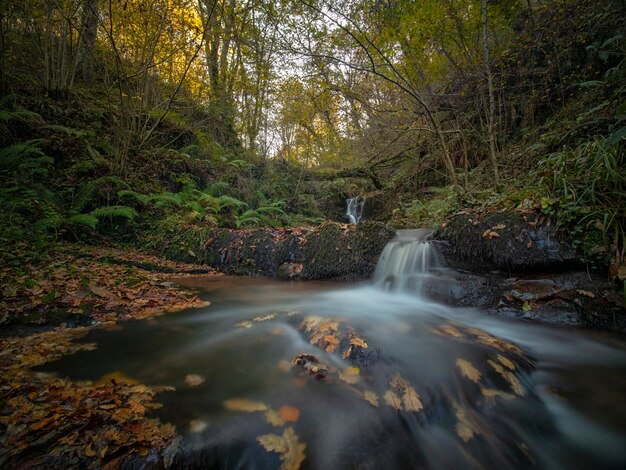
[[491, 131]]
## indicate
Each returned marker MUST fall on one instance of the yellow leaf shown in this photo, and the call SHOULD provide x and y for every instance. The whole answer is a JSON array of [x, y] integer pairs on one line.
[[197, 425], [468, 370], [506, 362], [291, 450], [358, 342], [237, 404], [411, 400], [499, 227], [586, 293], [509, 377], [393, 400], [193, 380], [371, 397], [244, 324], [269, 316], [350, 375], [273, 418]]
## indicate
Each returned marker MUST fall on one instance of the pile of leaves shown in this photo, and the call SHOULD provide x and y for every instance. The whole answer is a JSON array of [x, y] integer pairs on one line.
[[47, 421], [79, 284]]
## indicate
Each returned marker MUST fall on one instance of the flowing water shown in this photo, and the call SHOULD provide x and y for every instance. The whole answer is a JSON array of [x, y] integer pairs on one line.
[[381, 378], [354, 209]]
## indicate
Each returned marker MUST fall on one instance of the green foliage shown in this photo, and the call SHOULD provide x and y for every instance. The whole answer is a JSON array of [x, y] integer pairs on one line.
[[587, 187], [433, 211]]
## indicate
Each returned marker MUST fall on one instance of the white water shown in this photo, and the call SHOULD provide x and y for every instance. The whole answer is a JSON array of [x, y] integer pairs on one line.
[[569, 412], [354, 209], [408, 262]]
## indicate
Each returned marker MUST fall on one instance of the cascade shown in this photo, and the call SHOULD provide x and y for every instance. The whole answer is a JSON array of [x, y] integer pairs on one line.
[[354, 209], [408, 261]]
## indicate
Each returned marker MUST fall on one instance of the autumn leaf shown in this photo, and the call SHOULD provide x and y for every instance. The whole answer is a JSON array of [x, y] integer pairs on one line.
[[393, 400], [244, 324], [513, 381], [506, 362], [350, 375], [273, 418], [371, 397], [358, 342], [99, 291], [193, 380], [586, 293], [289, 413], [269, 316], [197, 426], [468, 370], [290, 449], [411, 400], [237, 404], [499, 227]]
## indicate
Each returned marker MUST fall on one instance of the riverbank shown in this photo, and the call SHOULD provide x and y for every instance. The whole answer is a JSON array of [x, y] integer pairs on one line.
[[48, 304]]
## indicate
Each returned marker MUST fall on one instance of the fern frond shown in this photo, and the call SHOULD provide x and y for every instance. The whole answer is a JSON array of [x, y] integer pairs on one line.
[[115, 211], [248, 217], [10, 156], [84, 219], [228, 201], [217, 189], [163, 199], [83, 197], [68, 131], [7, 116], [142, 198]]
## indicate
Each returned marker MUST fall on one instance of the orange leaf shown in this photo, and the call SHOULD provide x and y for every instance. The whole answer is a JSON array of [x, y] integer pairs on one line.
[[289, 413]]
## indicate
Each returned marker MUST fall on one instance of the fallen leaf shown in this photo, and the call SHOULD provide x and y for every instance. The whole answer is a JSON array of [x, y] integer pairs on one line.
[[193, 380], [273, 418], [237, 404], [499, 227], [350, 375], [586, 293], [411, 400], [291, 450], [289, 413], [197, 426], [371, 397], [244, 324], [393, 400], [358, 342], [269, 316], [468, 370], [99, 291], [506, 362]]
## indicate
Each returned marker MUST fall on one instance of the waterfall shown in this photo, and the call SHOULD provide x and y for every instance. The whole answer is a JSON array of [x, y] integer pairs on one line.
[[354, 209], [407, 261]]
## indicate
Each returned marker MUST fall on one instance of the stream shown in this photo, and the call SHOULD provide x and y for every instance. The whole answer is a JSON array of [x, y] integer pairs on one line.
[[370, 375]]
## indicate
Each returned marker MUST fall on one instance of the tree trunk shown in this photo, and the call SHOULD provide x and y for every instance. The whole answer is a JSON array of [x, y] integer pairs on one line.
[[491, 131]]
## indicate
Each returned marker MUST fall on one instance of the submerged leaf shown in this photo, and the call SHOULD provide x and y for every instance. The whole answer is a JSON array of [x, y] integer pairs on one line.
[[289, 413], [411, 400], [238, 404], [371, 397], [193, 380], [350, 375], [273, 418]]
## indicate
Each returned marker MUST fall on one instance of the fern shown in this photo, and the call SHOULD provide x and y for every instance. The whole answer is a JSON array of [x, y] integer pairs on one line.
[[163, 199], [10, 156], [248, 217], [142, 198], [114, 211], [8, 116], [84, 219], [69, 131], [217, 189], [228, 201], [85, 193]]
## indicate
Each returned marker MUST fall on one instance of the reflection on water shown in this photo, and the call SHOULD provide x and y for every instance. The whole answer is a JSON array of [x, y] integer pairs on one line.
[[430, 386]]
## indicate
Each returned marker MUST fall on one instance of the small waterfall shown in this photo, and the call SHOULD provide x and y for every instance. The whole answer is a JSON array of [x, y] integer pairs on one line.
[[354, 209], [407, 261]]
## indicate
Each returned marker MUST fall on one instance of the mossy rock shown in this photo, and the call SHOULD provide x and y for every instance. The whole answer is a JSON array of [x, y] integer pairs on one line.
[[507, 241]]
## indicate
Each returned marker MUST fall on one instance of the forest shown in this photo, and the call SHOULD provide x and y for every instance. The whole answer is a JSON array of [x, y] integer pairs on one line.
[[146, 145]]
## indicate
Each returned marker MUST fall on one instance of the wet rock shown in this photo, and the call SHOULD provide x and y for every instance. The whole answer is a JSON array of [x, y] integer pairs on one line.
[[508, 241], [330, 251]]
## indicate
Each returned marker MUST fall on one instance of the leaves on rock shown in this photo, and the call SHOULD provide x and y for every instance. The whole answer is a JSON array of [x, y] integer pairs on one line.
[[393, 400], [290, 449], [350, 375], [468, 370], [371, 397]]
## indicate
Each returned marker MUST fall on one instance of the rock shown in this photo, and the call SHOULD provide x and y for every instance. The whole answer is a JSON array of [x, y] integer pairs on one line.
[[507, 241]]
